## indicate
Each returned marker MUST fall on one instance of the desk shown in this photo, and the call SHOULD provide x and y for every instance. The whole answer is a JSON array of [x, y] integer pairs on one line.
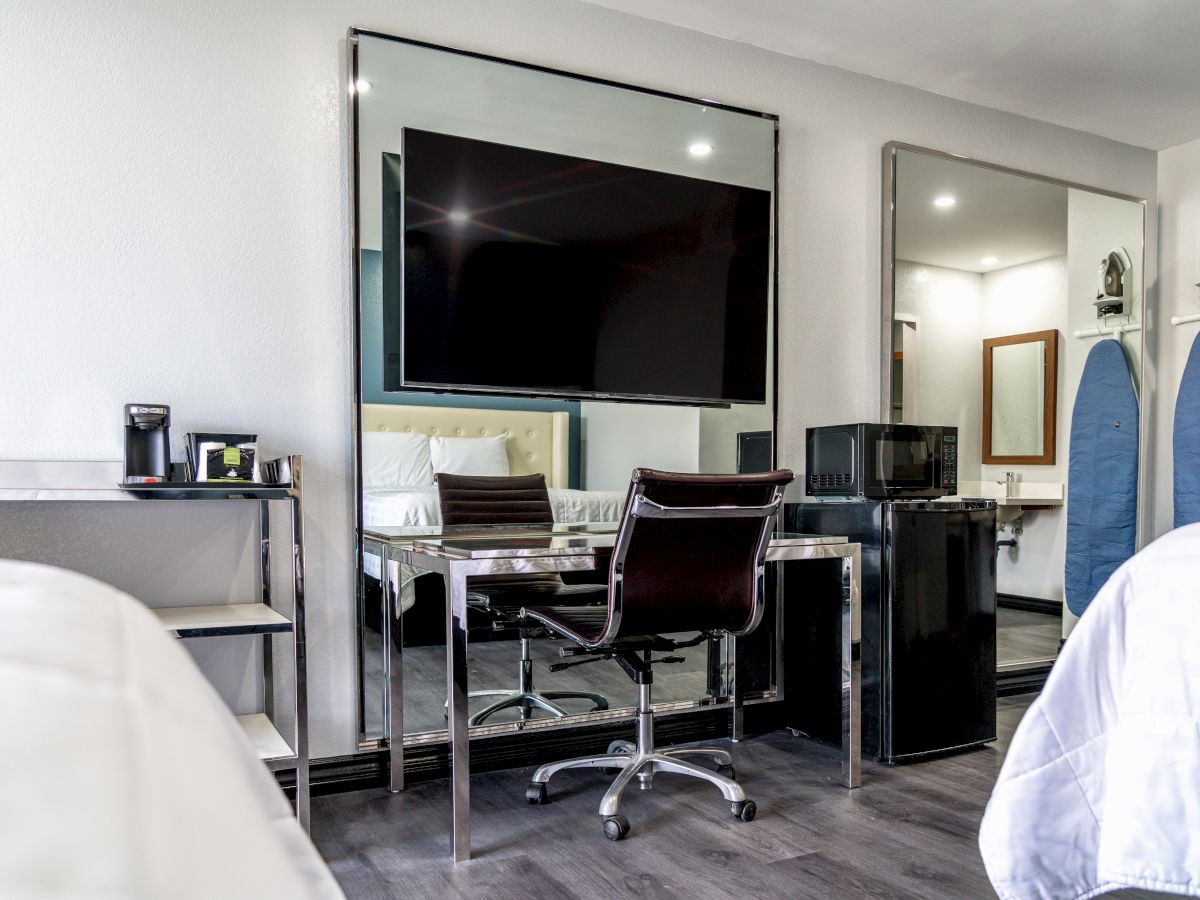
[[504, 551]]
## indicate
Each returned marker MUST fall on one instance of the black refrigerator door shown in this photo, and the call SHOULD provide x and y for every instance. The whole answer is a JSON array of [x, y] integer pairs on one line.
[[940, 629]]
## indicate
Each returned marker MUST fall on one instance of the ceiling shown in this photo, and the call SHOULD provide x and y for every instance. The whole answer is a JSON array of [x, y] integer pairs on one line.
[[1124, 69], [995, 214]]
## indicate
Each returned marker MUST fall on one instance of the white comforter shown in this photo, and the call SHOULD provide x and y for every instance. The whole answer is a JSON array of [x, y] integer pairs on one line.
[[125, 776], [1101, 786], [418, 505]]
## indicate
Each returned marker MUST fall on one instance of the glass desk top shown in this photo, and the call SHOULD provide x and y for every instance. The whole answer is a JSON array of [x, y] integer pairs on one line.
[[407, 534], [499, 541]]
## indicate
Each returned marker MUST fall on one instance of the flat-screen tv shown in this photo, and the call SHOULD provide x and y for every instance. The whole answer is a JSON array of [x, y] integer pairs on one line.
[[513, 270]]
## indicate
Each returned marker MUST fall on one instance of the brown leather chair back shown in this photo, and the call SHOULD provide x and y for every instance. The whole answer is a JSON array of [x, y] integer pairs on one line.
[[690, 567], [494, 499]]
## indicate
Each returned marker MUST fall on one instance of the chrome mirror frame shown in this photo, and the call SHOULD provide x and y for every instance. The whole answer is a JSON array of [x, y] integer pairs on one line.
[[367, 742]]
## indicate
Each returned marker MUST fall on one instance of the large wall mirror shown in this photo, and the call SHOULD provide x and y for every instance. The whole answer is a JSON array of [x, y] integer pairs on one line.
[[434, 130], [990, 309]]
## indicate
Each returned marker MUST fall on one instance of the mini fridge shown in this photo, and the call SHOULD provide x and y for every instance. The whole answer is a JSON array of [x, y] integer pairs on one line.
[[928, 625]]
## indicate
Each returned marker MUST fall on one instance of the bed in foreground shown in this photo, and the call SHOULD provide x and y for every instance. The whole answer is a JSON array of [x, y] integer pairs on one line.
[[1101, 785], [124, 773]]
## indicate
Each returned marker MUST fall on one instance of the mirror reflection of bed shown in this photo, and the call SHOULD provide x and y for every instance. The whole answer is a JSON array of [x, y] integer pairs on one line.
[[404, 445]]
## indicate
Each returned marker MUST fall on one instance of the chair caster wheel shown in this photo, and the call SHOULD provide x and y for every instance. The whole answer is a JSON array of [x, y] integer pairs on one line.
[[536, 794], [728, 771], [617, 748], [744, 810], [616, 827]]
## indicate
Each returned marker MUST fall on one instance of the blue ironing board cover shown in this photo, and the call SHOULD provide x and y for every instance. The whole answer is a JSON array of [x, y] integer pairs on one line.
[[1102, 474], [1187, 441]]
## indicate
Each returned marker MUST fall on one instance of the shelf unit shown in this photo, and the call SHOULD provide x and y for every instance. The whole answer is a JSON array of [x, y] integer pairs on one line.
[[25, 481]]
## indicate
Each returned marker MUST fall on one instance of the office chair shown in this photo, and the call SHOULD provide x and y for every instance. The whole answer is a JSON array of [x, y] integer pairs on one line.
[[515, 500], [689, 556]]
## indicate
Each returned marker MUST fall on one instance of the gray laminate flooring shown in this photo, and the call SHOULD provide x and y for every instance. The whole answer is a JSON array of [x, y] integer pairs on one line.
[[1022, 635], [910, 831]]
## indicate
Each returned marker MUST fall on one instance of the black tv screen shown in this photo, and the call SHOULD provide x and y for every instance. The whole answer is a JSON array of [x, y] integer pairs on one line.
[[519, 271]]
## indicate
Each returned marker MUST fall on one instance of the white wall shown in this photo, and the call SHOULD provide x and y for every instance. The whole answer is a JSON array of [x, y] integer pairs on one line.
[[174, 201], [618, 437], [1168, 345], [948, 307]]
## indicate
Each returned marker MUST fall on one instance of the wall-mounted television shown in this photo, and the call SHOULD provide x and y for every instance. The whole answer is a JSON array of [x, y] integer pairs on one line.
[[513, 270]]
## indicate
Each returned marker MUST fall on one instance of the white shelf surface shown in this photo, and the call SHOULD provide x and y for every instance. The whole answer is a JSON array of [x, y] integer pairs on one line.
[[1027, 493], [221, 619], [268, 743]]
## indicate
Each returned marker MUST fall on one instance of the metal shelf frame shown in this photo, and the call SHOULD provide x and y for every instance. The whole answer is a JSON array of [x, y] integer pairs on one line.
[[39, 481]]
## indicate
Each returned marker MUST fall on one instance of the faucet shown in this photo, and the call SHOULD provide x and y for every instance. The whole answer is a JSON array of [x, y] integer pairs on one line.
[[1010, 484]]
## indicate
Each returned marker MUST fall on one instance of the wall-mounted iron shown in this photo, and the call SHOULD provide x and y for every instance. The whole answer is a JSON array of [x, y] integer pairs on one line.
[[1110, 286]]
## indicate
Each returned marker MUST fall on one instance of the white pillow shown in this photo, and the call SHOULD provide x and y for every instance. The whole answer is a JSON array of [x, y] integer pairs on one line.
[[395, 459], [470, 455]]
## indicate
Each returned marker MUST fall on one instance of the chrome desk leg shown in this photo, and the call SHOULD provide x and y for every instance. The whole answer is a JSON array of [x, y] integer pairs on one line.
[[456, 691], [851, 669], [735, 687], [393, 672], [299, 636], [264, 561]]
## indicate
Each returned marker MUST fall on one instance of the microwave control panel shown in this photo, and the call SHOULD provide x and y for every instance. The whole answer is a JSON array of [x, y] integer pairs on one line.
[[949, 461]]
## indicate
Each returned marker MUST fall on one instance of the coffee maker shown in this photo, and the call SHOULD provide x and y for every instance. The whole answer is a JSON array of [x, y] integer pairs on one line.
[[147, 443]]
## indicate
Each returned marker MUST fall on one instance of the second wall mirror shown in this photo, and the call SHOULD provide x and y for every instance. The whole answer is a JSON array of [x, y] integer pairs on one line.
[[981, 257]]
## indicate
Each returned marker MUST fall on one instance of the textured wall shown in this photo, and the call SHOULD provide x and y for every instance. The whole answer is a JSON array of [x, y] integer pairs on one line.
[[175, 205]]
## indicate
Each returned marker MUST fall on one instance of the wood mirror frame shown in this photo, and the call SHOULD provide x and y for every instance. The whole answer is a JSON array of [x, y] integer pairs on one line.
[[1049, 393]]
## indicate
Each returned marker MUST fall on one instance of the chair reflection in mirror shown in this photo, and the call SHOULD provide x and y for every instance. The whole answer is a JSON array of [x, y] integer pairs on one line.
[[515, 500]]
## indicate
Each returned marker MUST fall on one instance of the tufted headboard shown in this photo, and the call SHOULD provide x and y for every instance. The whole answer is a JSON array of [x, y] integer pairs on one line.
[[537, 441]]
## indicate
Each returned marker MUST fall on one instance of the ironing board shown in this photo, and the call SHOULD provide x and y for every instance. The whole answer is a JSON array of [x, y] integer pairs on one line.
[[1187, 441], [1102, 474]]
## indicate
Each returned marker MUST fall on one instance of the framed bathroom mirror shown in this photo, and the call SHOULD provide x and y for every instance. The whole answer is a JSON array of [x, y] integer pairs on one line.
[[586, 447], [1020, 399], [977, 255]]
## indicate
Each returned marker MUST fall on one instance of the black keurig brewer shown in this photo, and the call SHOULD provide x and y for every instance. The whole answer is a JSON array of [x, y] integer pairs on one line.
[[147, 443]]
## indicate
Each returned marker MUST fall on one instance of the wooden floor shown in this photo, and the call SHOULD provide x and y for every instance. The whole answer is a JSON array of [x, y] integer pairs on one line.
[[910, 831], [1024, 635]]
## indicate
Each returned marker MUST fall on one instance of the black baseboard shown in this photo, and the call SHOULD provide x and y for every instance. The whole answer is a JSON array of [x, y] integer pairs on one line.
[[1025, 680], [1029, 604], [360, 771]]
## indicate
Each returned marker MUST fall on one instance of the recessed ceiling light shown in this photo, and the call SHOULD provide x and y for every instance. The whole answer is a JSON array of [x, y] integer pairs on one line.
[[700, 148], [988, 261], [458, 215], [362, 85], [945, 201]]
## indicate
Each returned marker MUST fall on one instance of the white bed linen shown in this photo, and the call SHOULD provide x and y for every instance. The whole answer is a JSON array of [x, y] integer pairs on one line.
[[1101, 785], [125, 775], [418, 505]]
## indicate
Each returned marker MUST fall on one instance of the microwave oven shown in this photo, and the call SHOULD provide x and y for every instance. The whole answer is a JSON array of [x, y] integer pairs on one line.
[[882, 462]]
